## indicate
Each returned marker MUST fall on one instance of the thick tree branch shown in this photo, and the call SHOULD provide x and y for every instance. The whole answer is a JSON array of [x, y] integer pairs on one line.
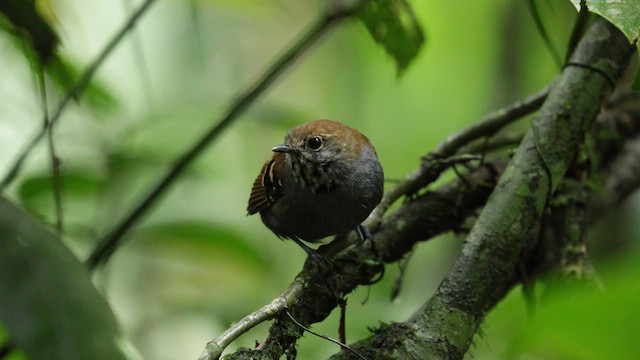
[[486, 269], [432, 166]]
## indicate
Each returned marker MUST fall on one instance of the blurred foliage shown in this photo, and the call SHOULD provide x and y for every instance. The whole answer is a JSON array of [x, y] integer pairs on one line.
[[63, 73], [393, 24], [49, 305], [39, 43], [27, 23], [197, 263], [576, 321]]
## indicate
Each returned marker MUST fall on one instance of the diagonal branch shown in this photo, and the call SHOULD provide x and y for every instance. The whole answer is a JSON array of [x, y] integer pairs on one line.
[[432, 167]]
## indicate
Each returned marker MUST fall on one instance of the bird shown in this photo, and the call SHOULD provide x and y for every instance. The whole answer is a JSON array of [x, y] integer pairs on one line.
[[324, 180]]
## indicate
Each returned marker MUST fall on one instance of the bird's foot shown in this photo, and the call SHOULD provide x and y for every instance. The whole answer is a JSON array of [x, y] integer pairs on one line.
[[314, 256]]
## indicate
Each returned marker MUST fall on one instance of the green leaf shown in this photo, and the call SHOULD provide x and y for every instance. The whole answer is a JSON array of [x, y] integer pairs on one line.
[[393, 25], [39, 42], [542, 31], [80, 190], [80, 183], [49, 306], [201, 238], [27, 24], [625, 14], [65, 73], [575, 322], [212, 257]]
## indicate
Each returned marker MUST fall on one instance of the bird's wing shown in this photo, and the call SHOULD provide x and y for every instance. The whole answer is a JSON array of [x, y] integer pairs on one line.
[[267, 188]]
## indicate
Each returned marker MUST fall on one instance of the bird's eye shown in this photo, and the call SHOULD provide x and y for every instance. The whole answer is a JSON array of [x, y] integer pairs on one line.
[[314, 143]]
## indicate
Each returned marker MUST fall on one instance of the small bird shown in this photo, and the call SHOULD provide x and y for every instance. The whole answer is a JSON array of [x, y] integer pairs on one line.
[[324, 180]]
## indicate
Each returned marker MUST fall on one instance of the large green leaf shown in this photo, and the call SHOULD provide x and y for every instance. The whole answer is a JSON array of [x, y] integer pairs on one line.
[[625, 14], [48, 304], [393, 25], [80, 191], [65, 73]]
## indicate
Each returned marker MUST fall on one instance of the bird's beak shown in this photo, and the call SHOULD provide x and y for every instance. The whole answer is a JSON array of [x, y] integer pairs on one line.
[[284, 148]]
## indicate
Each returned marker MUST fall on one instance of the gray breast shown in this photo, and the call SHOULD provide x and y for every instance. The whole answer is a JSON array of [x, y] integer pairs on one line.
[[314, 212]]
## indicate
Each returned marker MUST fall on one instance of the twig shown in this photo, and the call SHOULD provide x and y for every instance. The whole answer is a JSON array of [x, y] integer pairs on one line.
[[75, 91], [111, 241], [497, 142], [402, 267], [342, 345], [215, 347], [430, 170], [459, 159], [140, 60], [579, 27], [537, 20], [56, 180], [492, 123]]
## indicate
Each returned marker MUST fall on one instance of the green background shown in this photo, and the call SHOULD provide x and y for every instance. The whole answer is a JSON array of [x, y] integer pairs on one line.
[[197, 263]]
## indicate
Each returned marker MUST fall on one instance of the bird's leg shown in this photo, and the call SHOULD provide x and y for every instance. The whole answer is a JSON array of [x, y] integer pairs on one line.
[[365, 236], [363, 232], [307, 249], [317, 257]]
